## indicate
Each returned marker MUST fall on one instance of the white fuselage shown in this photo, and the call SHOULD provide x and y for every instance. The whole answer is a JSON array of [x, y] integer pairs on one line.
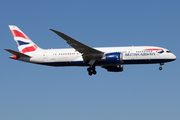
[[131, 55]]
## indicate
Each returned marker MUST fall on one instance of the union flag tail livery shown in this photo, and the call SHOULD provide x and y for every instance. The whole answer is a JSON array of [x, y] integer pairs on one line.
[[111, 58], [23, 42]]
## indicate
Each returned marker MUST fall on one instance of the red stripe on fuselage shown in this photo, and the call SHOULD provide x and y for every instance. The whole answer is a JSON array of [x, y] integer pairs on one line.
[[29, 49], [152, 49], [19, 34]]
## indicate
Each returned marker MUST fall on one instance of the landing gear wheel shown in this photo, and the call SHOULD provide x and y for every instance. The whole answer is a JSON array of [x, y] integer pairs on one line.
[[91, 70], [90, 73], [94, 72], [160, 68]]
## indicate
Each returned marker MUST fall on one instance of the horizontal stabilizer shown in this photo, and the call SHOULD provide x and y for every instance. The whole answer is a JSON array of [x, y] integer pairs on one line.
[[17, 53]]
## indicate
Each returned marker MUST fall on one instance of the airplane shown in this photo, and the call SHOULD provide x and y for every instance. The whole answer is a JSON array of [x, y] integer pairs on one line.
[[110, 58]]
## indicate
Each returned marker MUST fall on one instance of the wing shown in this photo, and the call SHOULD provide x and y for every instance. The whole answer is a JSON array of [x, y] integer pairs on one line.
[[80, 47], [89, 53]]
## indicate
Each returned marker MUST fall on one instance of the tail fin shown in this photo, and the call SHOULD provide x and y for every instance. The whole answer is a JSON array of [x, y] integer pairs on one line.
[[23, 42]]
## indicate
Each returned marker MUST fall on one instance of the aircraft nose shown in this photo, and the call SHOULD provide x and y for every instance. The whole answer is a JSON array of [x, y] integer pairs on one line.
[[174, 57]]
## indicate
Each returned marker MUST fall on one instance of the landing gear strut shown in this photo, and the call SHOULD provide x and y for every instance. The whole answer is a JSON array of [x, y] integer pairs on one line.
[[160, 68], [91, 70]]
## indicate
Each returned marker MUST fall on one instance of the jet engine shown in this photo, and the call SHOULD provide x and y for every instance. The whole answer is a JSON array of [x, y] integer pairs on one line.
[[114, 58], [116, 68]]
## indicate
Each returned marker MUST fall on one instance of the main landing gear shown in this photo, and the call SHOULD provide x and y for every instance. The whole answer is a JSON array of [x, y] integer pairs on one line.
[[160, 68], [91, 70]]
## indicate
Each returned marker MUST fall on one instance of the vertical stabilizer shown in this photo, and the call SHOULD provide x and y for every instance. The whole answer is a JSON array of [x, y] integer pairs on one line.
[[23, 42]]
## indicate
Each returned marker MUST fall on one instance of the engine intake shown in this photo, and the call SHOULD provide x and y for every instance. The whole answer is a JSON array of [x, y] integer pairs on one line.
[[115, 57]]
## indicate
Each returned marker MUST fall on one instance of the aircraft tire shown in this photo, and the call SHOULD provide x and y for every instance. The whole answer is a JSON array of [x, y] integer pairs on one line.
[[90, 73], [94, 72]]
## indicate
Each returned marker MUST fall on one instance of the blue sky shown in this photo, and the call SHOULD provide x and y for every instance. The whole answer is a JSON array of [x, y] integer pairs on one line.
[[29, 91]]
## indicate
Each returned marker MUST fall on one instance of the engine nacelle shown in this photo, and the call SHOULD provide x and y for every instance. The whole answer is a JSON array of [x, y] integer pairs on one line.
[[115, 57], [117, 68]]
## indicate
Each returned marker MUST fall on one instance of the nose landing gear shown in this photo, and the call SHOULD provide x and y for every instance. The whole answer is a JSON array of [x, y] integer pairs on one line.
[[160, 68], [91, 70]]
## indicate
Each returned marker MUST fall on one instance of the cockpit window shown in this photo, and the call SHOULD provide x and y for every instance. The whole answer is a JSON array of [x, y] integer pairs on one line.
[[168, 51]]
